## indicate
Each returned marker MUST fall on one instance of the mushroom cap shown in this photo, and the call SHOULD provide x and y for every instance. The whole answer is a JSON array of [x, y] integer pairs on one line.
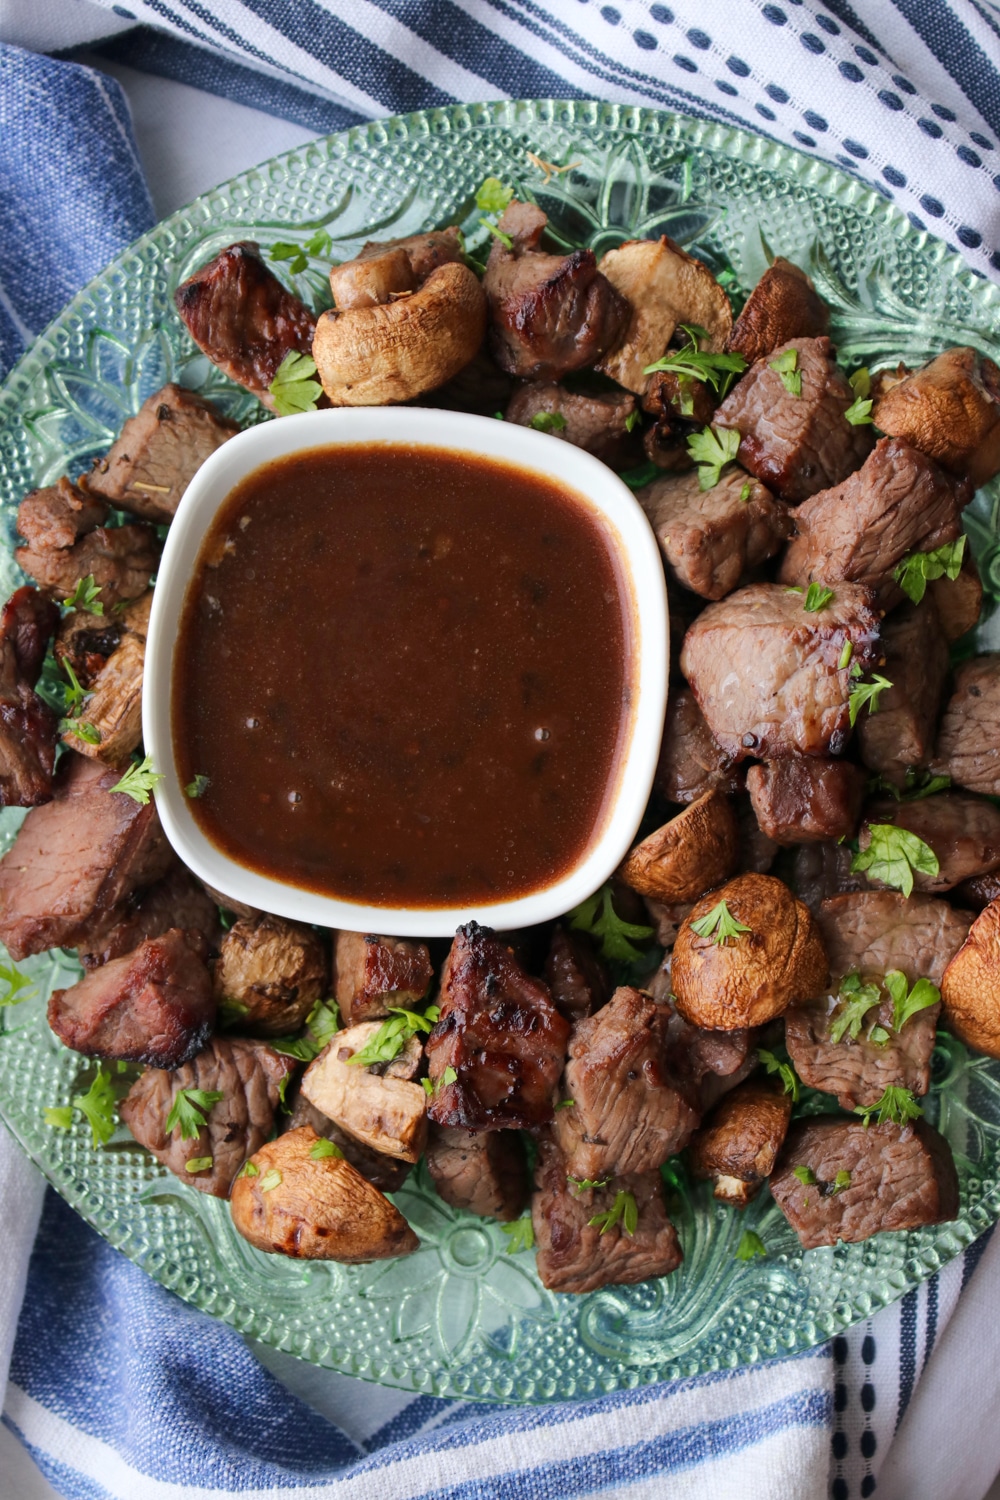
[[743, 1136], [754, 977], [387, 1111], [372, 279], [380, 356], [950, 410], [318, 1209], [693, 852], [970, 989]]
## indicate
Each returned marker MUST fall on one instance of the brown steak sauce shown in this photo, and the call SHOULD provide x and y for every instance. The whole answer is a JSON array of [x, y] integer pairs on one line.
[[406, 673]]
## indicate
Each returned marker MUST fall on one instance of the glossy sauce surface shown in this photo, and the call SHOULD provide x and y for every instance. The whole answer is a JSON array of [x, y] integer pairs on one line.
[[406, 674]]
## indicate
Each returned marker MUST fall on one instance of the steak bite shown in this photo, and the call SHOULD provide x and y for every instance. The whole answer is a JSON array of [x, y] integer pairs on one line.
[[738, 1146], [120, 559], [730, 982], [372, 973], [247, 1074], [315, 1207], [767, 674], [549, 314], [178, 900], [859, 531], [153, 1006], [899, 1177], [805, 799], [596, 421], [859, 1068], [705, 1064], [57, 516], [577, 1254], [378, 1104], [662, 286], [968, 746], [28, 726], [76, 858], [963, 831], [113, 711], [757, 851], [796, 444], [782, 306], [970, 988], [240, 315], [691, 763], [823, 870], [628, 1113], [85, 641], [950, 410], [696, 850], [958, 601], [499, 1034], [901, 734], [485, 1174], [871, 932], [157, 454], [271, 972], [387, 1173], [577, 978], [711, 538]]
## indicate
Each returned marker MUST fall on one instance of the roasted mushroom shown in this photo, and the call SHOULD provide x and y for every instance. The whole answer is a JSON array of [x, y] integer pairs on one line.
[[688, 855], [384, 1109], [950, 410], [737, 1148], [782, 306], [113, 712], [296, 1196], [269, 974], [970, 989]]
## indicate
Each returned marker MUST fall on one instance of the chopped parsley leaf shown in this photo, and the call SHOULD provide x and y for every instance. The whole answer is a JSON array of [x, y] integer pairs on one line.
[[907, 1003], [624, 1211], [504, 239], [271, 1180], [806, 1176], [920, 568], [817, 598], [639, 477], [18, 987], [139, 780], [319, 244], [865, 692], [858, 1000], [189, 1110], [859, 413], [787, 366], [197, 788], [712, 449], [392, 1036], [746, 492], [520, 1234], [198, 1163], [493, 196], [60, 1116], [632, 421], [896, 1104], [98, 1105], [566, 1104], [692, 363], [861, 382], [597, 915], [785, 1071], [324, 1148], [719, 924], [82, 729], [846, 652], [750, 1245], [249, 1169], [917, 785], [75, 692], [85, 596], [840, 1182], [587, 1184], [431, 1087], [548, 421], [892, 856], [293, 386]]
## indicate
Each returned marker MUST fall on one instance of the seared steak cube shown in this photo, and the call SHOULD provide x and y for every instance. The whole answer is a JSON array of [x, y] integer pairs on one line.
[[823, 870], [859, 531], [27, 724], [576, 1254], [271, 972], [859, 1069], [693, 852], [499, 1034], [736, 1149], [871, 932], [970, 988], [711, 538], [757, 851], [114, 711], [767, 674], [899, 1177], [158, 452], [153, 1006], [691, 762], [485, 1174], [805, 799], [577, 978], [120, 559], [178, 900], [628, 1114], [959, 601], [968, 747], [247, 1074], [595, 421], [796, 444], [76, 858], [59, 515], [387, 1173], [950, 409], [371, 973], [901, 733], [962, 830], [782, 306]]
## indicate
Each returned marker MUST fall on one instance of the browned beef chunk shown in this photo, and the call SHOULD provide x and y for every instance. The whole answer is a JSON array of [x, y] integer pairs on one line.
[[500, 1033], [371, 973], [595, 421], [246, 1074], [85, 641], [178, 900], [120, 559], [270, 973], [628, 1113], [963, 831], [576, 1255], [899, 502], [796, 445], [804, 800], [696, 850], [901, 734], [549, 313], [240, 315], [871, 932], [665, 445], [76, 858], [691, 762], [979, 891], [486, 1174], [968, 746], [482, 388], [767, 674], [901, 1177], [782, 306], [113, 712], [950, 410], [823, 870], [157, 454], [577, 978], [757, 851], [711, 537], [738, 1146], [676, 399], [705, 1064], [59, 515], [857, 1069], [27, 724], [958, 601], [387, 1173], [152, 1006]]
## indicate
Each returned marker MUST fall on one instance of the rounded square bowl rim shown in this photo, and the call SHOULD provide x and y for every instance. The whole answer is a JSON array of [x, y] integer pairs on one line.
[[598, 486]]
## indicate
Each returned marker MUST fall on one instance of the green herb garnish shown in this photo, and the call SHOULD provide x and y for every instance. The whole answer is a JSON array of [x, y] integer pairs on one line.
[[60, 1116], [139, 780], [719, 924], [17, 987], [587, 1184], [566, 1104], [907, 1003], [840, 1182], [319, 244], [865, 692], [521, 1235], [750, 1245], [324, 1148], [858, 1000], [189, 1110], [632, 421], [74, 691], [548, 421], [712, 449], [892, 856], [846, 652], [293, 387], [392, 1036], [817, 598], [746, 492], [431, 1088], [249, 1169], [917, 786], [861, 382], [896, 1104], [624, 1210], [787, 366], [197, 788], [98, 1106], [597, 915], [82, 729], [692, 363], [785, 1071], [85, 596], [271, 1180], [859, 412], [198, 1163], [504, 239], [493, 196], [915, 572], [806, 1176]]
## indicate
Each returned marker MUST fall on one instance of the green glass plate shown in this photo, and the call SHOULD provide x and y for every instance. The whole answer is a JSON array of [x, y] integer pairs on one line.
[[462, 1317]]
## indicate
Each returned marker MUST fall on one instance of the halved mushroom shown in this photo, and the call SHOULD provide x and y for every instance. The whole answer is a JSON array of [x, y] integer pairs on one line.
[[382, 355], [739, 1145], [758, 950], [288, 1201], [372, 279], [782, 306], [115, 708], [693, 852], [950, 410], [664, 286], [384, 1109], [970, 989], [271, 972]]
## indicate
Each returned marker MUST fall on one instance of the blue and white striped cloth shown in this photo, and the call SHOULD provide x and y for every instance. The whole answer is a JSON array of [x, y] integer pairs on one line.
[[118, 1390]]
